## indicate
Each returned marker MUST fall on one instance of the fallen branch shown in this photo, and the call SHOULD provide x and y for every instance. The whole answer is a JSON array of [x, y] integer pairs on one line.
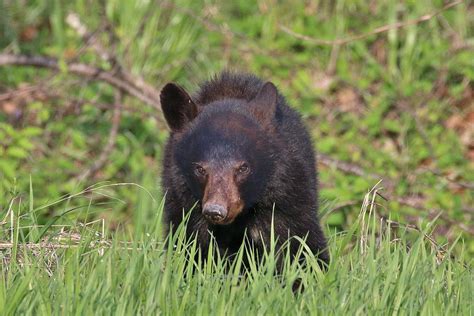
[[90, 72], [382, 29], [41, 245], [351, 168], [98, 245]]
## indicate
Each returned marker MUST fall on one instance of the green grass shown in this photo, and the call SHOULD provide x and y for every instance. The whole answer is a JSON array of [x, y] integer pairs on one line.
[[397, 104], [374, 270]]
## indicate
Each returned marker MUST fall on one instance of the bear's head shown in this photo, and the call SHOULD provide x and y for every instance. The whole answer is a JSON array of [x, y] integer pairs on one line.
[[224, 149]]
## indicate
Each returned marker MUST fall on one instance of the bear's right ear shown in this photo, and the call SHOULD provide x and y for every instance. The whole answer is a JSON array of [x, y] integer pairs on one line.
[[265, 103], [178, 107]]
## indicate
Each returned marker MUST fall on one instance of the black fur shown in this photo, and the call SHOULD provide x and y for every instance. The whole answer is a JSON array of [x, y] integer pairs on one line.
[[224, 122]]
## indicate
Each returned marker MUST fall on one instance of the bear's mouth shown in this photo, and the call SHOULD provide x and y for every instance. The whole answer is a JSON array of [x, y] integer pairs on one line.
[[221, 222]]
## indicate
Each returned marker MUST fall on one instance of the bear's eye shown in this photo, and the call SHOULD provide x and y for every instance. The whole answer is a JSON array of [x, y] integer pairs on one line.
[[200, 171], [243, 169]]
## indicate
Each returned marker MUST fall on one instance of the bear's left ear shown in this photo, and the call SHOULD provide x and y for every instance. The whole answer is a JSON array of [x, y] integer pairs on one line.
[[178, 107], [264, 104]]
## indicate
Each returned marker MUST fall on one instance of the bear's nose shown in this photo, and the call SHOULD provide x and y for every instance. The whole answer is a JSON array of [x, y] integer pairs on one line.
[[214, 212]]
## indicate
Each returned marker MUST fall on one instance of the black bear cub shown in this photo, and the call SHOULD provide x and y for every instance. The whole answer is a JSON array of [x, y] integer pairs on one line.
[[242, 157]]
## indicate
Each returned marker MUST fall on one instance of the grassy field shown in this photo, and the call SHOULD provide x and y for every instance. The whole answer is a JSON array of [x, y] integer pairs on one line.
[[385, 88], [375, 269]]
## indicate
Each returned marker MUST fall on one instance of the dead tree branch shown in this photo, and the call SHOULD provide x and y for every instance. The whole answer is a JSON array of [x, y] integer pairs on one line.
[[107, 55], [351, 168], [90, 72]]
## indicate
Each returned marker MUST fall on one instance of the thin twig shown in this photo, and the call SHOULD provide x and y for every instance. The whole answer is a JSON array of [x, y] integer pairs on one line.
[[381, 29], [351, 168], [441, 251]]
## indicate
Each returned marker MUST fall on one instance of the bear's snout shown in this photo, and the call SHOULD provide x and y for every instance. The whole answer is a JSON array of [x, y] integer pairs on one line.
[[215, 213]]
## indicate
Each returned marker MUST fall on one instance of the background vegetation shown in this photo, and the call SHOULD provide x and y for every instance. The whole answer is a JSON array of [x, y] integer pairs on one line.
[[385, 88]]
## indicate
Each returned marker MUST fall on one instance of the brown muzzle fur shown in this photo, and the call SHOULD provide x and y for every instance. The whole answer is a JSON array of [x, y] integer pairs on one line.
[[221, 203]]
